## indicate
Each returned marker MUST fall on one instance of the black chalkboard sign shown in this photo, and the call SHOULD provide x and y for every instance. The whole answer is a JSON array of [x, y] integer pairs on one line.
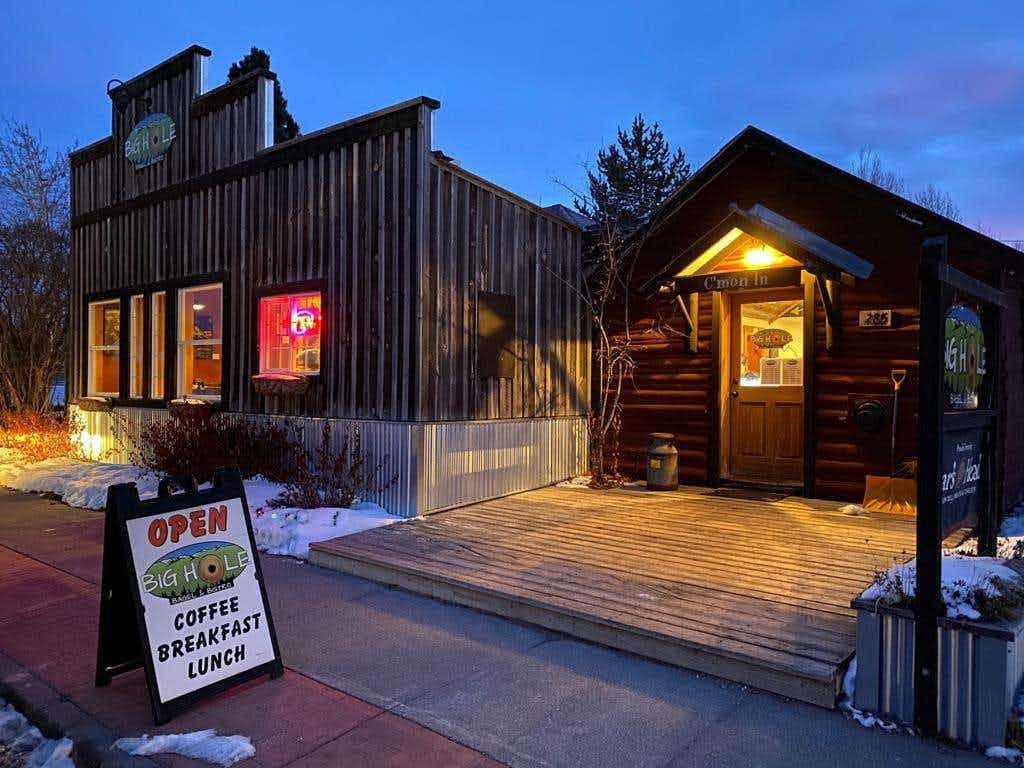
[[183, 593]]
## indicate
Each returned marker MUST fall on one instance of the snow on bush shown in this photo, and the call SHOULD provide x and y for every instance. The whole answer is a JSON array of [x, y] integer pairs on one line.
[[972, 587], [199, 745], [27, 745]]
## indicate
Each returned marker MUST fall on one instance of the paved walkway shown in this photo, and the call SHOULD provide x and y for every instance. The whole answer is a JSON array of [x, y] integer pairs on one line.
[[50, 558], [524, 696]]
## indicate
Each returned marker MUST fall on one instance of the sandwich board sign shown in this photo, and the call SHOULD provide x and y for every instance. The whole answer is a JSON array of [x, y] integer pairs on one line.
[[183, 593]]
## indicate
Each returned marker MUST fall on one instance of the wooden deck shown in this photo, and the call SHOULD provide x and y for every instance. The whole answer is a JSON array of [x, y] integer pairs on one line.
[[755, 591]]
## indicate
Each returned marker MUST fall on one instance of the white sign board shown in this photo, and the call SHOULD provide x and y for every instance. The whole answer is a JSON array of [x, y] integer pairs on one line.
[[204, 611]]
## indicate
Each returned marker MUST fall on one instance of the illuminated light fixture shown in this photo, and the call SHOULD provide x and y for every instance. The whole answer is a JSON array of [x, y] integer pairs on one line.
[[759, 257], [198, 307], [303, 321]]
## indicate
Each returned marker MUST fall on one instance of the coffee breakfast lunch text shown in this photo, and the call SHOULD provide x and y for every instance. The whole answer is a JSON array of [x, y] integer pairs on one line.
[[212, 636]]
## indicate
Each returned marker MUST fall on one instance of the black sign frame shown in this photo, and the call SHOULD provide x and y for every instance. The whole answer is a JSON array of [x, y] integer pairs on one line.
[[123, 641], [941, 286]]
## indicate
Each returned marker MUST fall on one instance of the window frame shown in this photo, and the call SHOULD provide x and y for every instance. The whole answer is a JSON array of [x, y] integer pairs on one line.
[[281, 292], [136, 346], [180, 343], [171, 290], [90, 302], [150, 351]]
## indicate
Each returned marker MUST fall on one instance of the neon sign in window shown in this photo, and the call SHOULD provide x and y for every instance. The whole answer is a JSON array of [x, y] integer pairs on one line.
[[290, 333]]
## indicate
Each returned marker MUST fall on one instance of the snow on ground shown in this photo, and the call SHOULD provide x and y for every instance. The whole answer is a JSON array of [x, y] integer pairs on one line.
[[289, 531], [580, 481], [27, 744], [278, 531], [78, 483], [199, 745], [962, 577], [846, 702], [1009, 542]]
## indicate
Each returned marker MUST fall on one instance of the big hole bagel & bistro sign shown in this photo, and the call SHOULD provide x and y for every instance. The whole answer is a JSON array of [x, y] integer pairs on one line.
[[192, 571], [149, 140]]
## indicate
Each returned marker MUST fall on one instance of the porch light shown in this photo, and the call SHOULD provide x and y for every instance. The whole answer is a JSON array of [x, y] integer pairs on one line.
[[758, 257]]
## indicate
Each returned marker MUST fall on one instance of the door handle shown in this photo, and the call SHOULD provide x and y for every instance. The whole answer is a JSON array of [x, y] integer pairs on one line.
[[734, 393]]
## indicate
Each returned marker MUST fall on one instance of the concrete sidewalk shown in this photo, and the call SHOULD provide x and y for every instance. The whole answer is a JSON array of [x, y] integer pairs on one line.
[[522, 695], [50, 558]]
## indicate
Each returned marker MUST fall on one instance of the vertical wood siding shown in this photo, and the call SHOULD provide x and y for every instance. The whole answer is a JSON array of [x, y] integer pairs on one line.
[[483, 239]]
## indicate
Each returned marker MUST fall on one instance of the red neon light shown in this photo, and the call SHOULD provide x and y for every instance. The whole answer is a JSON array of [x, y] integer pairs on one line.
[[304, 320]]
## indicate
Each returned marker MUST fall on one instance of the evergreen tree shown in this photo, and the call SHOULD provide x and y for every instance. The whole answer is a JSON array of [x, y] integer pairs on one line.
[[285, 126], [634, 175]]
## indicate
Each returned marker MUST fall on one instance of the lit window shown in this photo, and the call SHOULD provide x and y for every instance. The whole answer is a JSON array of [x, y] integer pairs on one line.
[[199, 342], [136, 320], [104, 347], [156, 345], [290, 333]]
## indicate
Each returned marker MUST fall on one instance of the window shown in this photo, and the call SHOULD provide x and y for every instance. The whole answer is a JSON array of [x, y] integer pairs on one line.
[[136, 334], [156, 345], [771, 344], [104, 347], [200, 325], [496, 335], [290, 333]]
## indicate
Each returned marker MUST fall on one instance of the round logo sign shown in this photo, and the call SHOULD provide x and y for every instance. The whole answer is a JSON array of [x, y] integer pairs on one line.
[[150, 139], [964, 357]]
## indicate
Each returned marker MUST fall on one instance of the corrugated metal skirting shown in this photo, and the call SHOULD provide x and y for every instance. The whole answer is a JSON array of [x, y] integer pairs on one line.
[[435, 465], [978, 675], [464, 462]]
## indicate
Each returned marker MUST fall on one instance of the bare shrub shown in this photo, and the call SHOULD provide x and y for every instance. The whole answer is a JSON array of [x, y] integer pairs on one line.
[[36, 436], [195, 442], [332, 477]]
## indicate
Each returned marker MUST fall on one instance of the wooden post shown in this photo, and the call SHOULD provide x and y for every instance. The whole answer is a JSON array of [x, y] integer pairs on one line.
[[928, 596], [694, 300]]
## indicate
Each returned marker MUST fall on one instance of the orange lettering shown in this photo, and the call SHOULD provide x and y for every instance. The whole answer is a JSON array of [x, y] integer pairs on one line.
[[157, 532], [218, 518], [197, 526], [179, 524]]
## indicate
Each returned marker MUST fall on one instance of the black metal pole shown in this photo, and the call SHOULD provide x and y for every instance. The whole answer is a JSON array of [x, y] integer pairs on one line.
[[928, 597]]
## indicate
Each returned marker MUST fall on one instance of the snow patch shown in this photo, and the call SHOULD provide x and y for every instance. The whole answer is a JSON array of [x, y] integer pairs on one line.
[[1007, 753], [962, 579], [78, 483], [278, 531], [199, 745], [855, 510], [580, 481], [866, 719], [27, 743]]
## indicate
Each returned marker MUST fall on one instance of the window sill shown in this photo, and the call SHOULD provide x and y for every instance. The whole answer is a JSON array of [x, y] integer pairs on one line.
[[282, 384]]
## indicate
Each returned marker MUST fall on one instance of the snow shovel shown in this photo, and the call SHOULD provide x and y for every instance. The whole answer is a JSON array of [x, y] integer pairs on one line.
[[897, 495]]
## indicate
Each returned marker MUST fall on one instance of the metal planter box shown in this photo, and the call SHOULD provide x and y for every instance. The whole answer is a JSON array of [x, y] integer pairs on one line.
[[980, 667]]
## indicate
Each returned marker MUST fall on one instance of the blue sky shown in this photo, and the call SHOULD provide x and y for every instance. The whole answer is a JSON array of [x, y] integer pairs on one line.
[[529, 91]]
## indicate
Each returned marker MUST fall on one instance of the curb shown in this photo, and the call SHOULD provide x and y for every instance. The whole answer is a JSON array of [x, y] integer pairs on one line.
[[56, 715]]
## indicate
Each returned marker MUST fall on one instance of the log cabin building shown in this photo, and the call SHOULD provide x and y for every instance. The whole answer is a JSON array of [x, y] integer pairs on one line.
[[776, 296], [353, 273]]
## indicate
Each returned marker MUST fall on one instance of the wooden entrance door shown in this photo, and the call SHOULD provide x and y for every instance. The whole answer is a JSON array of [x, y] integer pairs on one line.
[[766, 394]]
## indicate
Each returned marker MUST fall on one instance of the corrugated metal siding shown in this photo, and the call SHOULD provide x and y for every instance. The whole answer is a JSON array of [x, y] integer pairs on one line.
[[436, 466], [978, 676], [465, 462]]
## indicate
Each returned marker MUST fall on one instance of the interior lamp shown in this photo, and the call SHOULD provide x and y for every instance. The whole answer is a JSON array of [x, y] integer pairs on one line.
[[758, 257]]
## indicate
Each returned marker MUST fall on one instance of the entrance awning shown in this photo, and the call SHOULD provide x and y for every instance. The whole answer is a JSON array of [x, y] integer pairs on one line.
[[759, 248]]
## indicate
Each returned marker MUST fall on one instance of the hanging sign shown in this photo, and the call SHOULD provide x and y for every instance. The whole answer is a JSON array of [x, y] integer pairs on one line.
[[183, 593], [964, 354], [150, 139], [961, 475]]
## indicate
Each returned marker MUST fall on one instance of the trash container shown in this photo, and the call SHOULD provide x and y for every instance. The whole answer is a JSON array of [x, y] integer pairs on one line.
[[662, 462]]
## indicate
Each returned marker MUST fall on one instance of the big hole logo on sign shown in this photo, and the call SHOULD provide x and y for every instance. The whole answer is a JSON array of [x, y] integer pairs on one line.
[[964, 357], [150, 139], [203, 607]]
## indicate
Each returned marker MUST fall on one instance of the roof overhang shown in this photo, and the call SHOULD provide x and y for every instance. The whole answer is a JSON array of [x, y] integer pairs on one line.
[[813, 252]]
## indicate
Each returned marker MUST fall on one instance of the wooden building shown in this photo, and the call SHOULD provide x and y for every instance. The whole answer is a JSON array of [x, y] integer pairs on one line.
[[776, 296], [353, 273]]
